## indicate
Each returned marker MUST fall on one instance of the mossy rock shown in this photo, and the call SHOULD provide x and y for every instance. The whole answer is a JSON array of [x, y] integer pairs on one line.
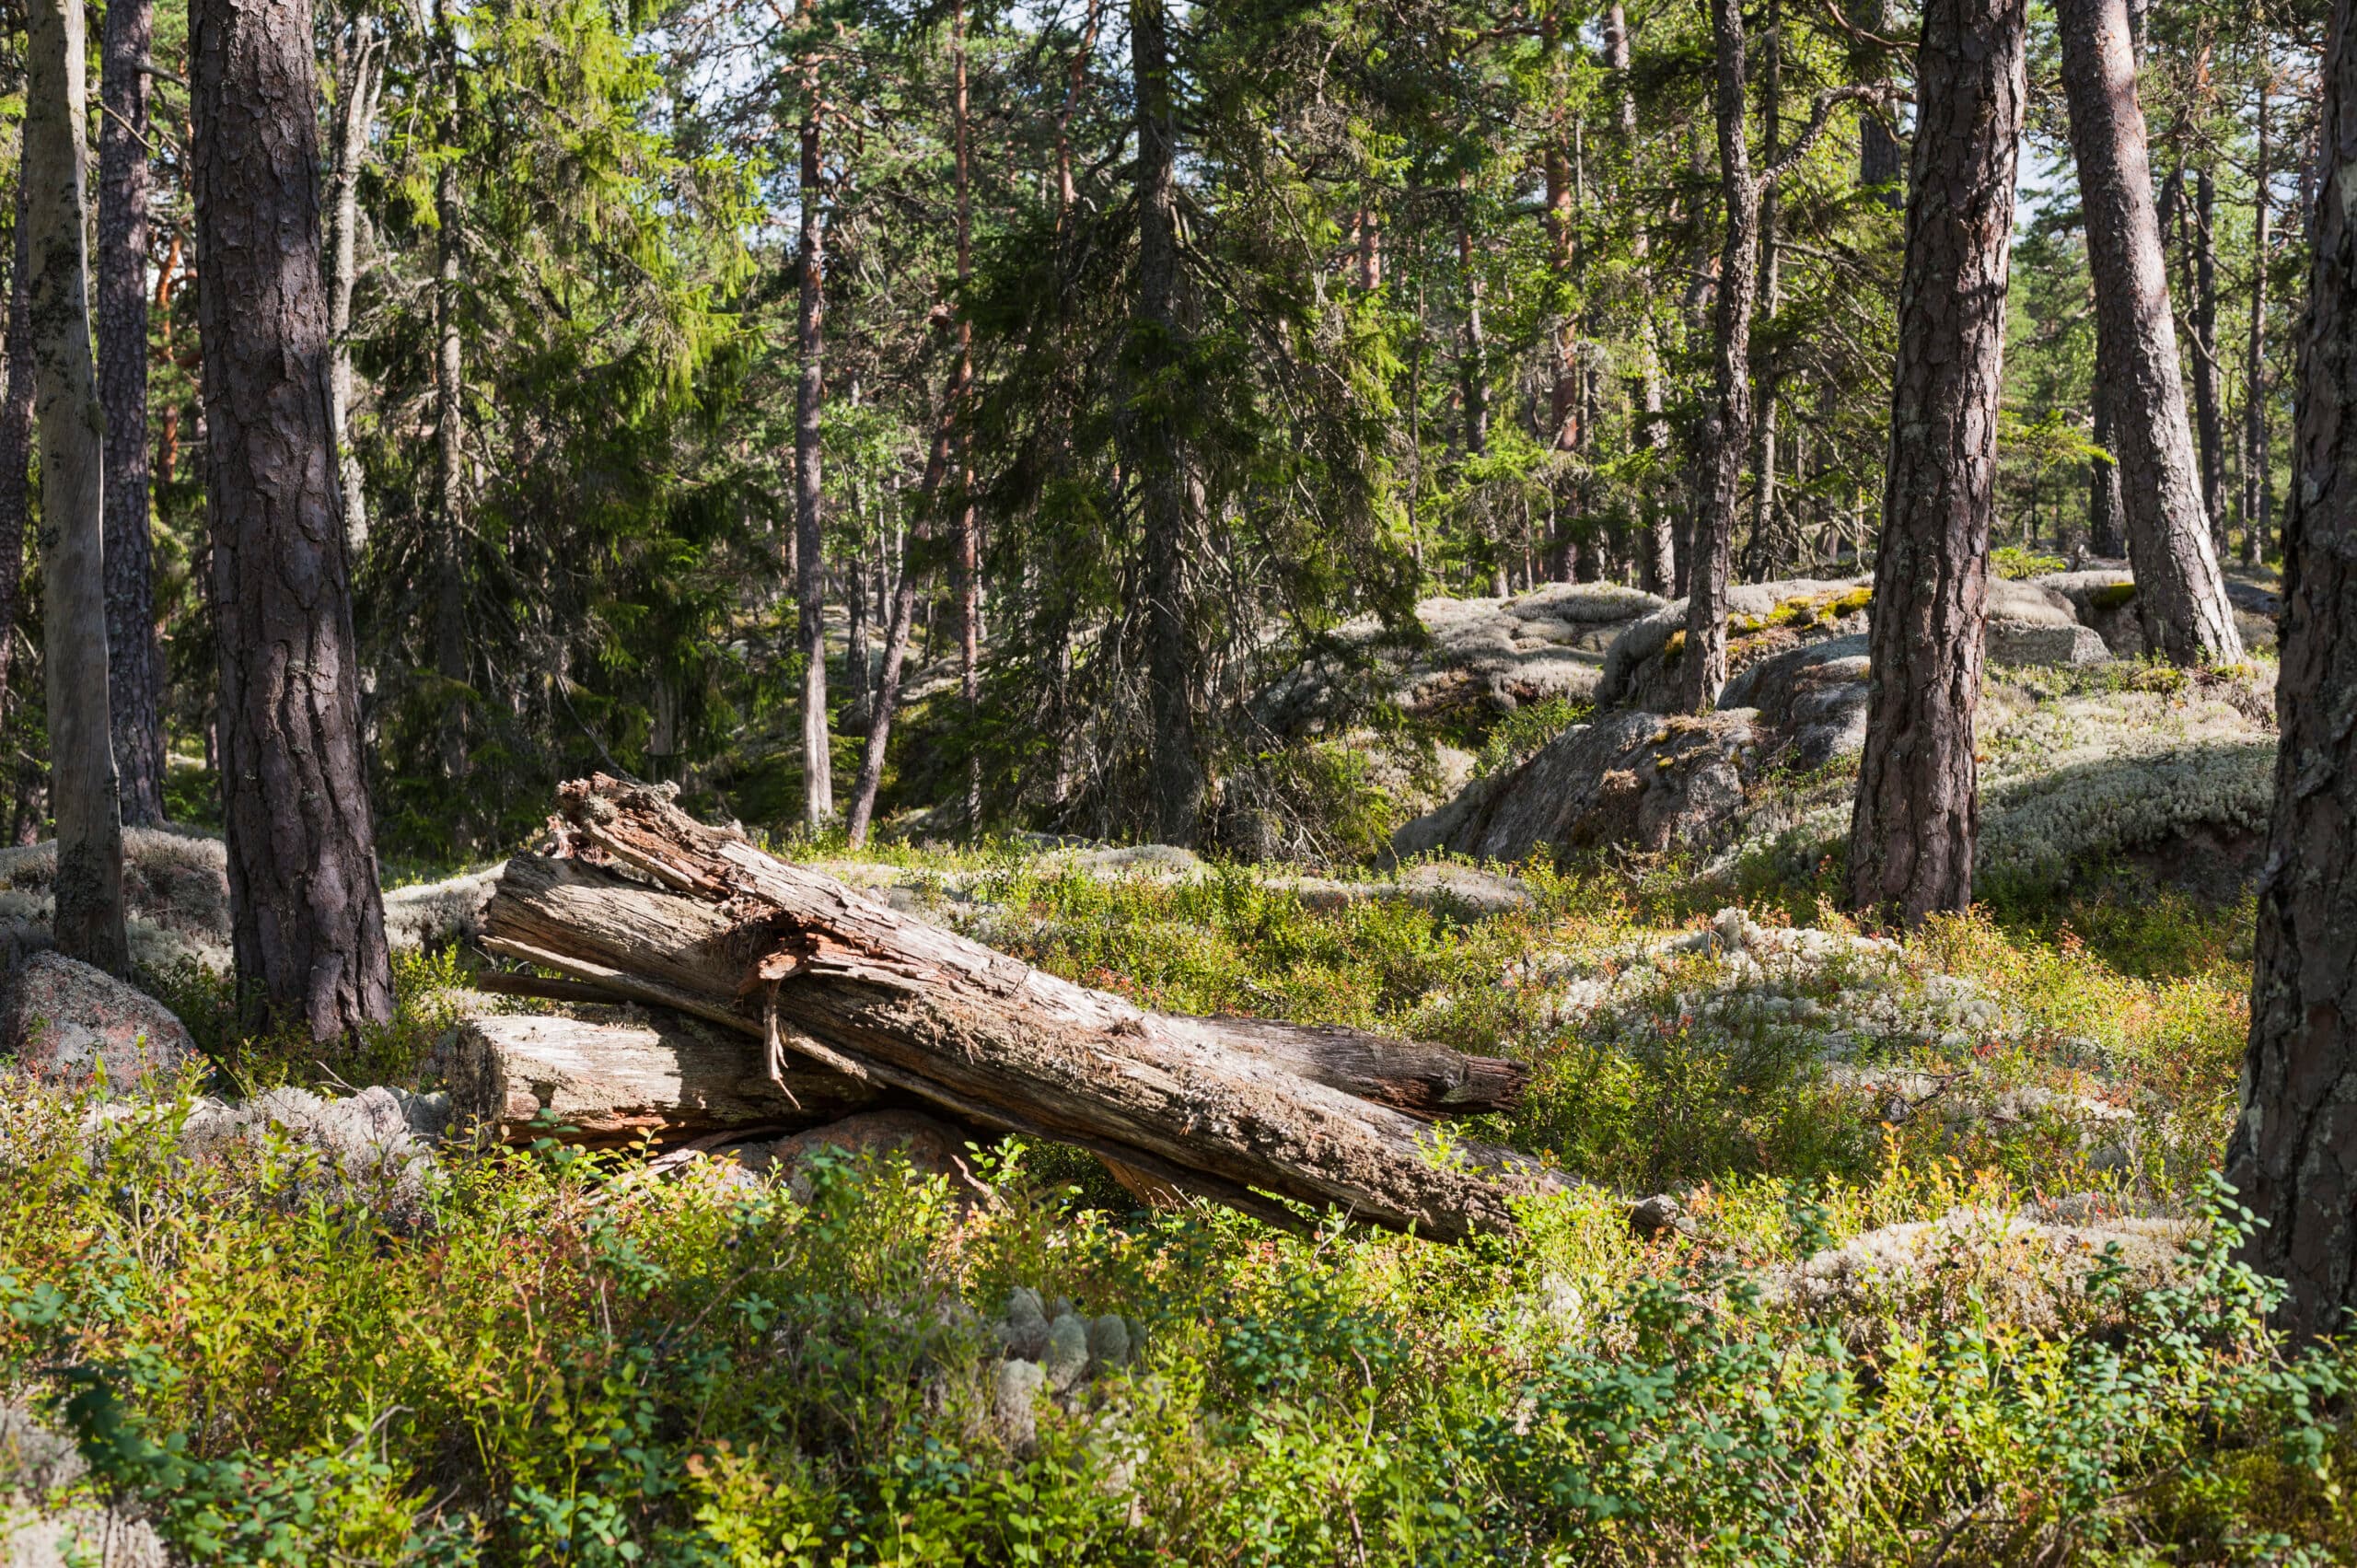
[[2112, 595]]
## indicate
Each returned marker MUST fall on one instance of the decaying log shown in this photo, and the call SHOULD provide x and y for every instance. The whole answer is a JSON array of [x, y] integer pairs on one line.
[[749, 942], [633, 1073], [1424, 1080], [631, 941]]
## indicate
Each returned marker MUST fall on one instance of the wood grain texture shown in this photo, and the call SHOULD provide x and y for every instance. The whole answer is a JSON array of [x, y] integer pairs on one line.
[[1209, 1104], [626, 1073]]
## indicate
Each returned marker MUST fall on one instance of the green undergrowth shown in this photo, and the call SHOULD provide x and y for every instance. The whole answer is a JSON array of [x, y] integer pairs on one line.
[[565, 1362], [1863, 1350]]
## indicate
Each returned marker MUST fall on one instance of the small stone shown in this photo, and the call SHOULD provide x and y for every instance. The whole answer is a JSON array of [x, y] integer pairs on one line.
[[1109, 1341], [1067, 1358], [1016, 1401], [1655, 1214]]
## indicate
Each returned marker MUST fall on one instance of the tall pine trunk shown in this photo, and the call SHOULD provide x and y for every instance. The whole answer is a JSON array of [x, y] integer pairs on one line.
[[1727, 435], [1564, 430], [449, 440], [2103, 474], [1169, 494], [970, 551], [1882, 162], [134, 664], [361, 71], [1473, 365], [1656, 533], [1917, 810], [2289, 1156], [2180, 595], [1767, 541], [15, 440], [2258, 493], [898, 626], [89, 919], [2209, 412], [306, 919], [809, 397]]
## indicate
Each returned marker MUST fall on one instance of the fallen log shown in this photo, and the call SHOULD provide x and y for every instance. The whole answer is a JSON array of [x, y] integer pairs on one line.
[[631, 942], [788, 955], [631, 1073]]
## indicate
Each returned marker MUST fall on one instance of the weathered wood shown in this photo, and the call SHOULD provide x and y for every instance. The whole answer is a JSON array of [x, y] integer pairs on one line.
[[627, 941], [630, 1072], [1424, 1080], [911, 1005]]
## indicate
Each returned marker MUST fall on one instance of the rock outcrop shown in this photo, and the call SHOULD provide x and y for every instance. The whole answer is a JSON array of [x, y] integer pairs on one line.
[[1637, 779], [2027, 625], [2104, 600], [71, 1026], [1484, 657]]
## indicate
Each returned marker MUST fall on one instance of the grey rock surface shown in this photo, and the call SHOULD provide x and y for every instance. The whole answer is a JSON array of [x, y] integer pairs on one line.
[[1016, 1388], [1628, 778], [1490, 654], [1640, 673], [2021, 641], [70, 1026]]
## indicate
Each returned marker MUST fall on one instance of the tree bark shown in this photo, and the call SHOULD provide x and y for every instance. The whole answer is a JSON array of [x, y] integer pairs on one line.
[[1912, 830], [135, 664], [2259, 492], [968, 561], [308, 923], [895, 650], [1169, 496], [911, 1006], [89, 919], [1767, 542], [2103, 474], [2293, 1156], [15, 440], [809, 398], [2209, 423], [1727, 435], [449, 433], [362, 74], [2180, 595]]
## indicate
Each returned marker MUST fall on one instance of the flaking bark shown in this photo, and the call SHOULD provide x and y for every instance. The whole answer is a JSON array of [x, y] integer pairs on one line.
[[72, 427], [135, 663], [2180, 595], [1917, 809], [308, 923], [2293, 1151], [876, 994]]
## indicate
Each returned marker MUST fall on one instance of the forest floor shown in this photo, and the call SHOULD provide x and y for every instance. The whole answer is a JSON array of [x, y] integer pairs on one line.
[[1953, 1280]]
